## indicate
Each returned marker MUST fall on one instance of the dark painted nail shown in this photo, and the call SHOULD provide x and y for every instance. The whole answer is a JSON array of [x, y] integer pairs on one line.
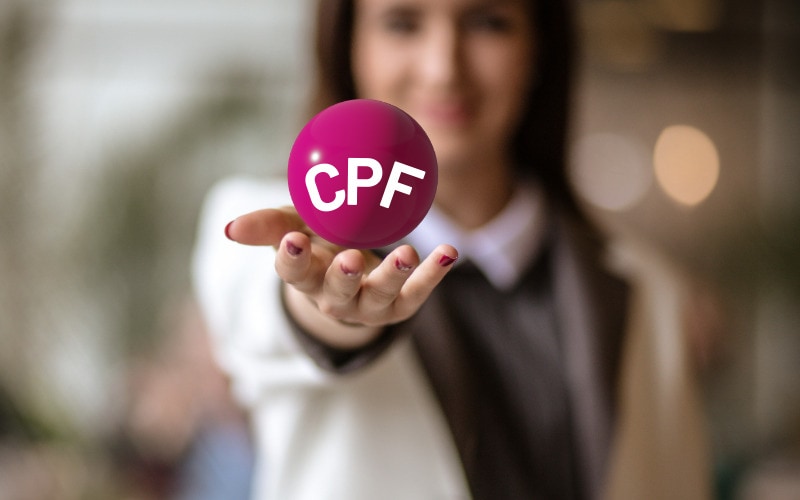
[[228, 230], [293, 249], [445, 260], [347, 271], [402, 266]]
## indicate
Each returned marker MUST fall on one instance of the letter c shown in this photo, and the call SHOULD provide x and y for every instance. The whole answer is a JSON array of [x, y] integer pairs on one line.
[[313, 191]]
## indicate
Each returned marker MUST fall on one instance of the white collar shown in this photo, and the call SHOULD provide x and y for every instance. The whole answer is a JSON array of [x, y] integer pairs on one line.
[[502, 248]]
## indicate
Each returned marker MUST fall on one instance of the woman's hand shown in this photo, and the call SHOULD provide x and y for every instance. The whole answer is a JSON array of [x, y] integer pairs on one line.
[[344, 297]]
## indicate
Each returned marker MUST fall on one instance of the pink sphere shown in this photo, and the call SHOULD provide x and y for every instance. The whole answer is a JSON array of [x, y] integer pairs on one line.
[[362, 174]]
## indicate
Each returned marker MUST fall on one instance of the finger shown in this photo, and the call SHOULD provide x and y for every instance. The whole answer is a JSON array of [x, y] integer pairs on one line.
[[383, 284], [264, 227], [296, 264], [342, 282], [421, 283]]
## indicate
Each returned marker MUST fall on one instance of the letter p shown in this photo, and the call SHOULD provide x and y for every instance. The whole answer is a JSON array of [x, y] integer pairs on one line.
[[353, 182]]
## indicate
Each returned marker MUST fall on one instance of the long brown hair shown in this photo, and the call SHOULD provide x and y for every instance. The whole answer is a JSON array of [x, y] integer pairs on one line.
[[540, 143]]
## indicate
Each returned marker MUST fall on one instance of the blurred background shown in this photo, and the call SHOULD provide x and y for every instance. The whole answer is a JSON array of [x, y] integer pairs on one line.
[[116, 117]]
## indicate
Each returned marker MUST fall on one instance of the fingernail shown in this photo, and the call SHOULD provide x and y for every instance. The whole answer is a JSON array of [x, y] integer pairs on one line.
[[402, 266], [346, 270], [228, 230], [293, 249], [445, 260]]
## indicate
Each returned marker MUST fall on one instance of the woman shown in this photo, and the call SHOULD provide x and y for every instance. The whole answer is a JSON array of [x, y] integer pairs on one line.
[[397, 376]]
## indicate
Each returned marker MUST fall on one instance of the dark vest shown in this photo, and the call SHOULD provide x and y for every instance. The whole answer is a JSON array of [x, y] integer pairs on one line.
[[503, 369]]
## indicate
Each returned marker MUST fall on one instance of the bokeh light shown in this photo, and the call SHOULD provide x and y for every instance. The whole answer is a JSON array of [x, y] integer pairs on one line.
[[611, 171], [686, 164]]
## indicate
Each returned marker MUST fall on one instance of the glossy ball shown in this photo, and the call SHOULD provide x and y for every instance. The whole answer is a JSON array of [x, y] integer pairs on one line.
[[362, 174]]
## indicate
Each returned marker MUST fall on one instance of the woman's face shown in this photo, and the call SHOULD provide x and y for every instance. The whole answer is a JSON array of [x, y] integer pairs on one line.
[[460, 67]]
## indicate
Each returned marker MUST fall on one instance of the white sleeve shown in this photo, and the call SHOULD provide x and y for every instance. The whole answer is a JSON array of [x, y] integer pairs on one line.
[[239, 293]]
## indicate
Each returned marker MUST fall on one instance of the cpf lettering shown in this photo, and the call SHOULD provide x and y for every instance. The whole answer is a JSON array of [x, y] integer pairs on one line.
[[355, 182]]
